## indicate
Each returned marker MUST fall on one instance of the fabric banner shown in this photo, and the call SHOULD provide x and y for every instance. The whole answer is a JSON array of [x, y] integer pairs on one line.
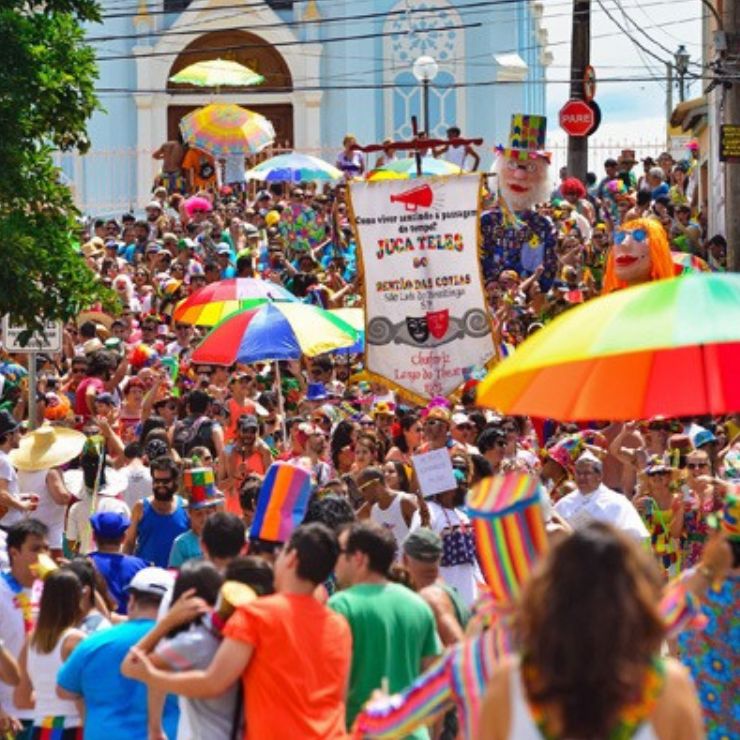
[[427, 324]]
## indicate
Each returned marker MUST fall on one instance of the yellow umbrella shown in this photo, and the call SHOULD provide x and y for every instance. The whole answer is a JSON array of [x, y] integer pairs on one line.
[[218, 73]]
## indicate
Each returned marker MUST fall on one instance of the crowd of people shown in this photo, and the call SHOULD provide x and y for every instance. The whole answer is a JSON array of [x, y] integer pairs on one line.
[[139, 600]]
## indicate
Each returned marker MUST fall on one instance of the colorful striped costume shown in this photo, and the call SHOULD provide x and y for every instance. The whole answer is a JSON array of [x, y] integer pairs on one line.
[[459, 678]]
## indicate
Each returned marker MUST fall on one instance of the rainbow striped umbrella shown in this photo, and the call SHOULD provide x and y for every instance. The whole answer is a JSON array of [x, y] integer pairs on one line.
[[217, 73], [509, 528], [274, 331], [294, 167], [223, 129], [214, 302], [666, 348]]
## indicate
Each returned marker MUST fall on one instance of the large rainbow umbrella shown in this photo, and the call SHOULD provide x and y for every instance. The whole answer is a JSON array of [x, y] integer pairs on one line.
[[214, 302], [223, 129], [294, 167], [670, 348], [274, 331]]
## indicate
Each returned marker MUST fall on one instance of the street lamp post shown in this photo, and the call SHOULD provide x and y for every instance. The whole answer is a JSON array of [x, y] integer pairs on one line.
[[681, 58], [425, 70]]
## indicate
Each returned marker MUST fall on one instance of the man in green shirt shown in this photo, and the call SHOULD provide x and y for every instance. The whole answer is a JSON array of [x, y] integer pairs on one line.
[[394, 637]]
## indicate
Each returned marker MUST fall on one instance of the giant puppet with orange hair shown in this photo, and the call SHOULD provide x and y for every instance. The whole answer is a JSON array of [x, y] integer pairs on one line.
[[640, 254]]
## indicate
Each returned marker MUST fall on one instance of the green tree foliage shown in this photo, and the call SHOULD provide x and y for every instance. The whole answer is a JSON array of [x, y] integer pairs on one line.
[[46, 97]]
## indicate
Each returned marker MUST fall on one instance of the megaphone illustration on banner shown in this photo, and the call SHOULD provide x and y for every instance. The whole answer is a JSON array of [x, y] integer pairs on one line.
[[421, 195]]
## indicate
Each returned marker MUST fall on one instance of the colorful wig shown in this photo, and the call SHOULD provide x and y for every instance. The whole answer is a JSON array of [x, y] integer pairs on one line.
[[573, 186], [660, 254]]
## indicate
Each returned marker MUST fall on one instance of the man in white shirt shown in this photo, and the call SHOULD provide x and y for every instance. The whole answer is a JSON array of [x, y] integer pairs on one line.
[[593, 501]]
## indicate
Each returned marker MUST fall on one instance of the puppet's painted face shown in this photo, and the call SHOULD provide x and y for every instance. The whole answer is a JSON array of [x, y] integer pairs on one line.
[[523, 182], [632, 262]]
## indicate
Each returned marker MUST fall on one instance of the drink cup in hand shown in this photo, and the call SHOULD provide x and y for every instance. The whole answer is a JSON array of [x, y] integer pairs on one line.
[[32, 499]]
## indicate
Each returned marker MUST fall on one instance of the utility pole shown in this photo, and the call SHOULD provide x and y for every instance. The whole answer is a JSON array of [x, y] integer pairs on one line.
[[580, 56], [731, 23]]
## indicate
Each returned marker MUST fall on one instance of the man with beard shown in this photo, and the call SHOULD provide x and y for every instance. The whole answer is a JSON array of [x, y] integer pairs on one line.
[[158, 519], [515, 236]]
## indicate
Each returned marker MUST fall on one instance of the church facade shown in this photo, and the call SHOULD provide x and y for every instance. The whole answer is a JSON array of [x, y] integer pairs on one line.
[[331, 67]]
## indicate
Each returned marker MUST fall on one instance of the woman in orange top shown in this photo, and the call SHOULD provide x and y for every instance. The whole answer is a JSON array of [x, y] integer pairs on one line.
[[241, 387], [248, 455]]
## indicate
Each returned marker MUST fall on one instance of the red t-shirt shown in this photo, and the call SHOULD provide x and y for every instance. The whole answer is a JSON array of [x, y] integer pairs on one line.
[[81, 407], [296, 682]]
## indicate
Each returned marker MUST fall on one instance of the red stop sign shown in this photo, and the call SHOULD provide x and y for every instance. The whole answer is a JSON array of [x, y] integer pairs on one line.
[[577, 118]]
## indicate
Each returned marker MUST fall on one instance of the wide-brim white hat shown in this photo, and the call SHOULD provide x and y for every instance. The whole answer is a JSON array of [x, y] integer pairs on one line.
[[47, 447]]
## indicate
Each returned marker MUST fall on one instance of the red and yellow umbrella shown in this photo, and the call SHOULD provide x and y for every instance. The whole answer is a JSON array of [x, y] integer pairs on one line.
[[670, 348]]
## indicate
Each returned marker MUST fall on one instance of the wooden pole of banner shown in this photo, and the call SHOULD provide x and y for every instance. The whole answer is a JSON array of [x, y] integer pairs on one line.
[[417, 152], [281, 409]]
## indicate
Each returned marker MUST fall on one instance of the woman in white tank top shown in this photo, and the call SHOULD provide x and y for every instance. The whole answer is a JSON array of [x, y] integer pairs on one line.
[[590, 639], [47, 647], [48, 485]]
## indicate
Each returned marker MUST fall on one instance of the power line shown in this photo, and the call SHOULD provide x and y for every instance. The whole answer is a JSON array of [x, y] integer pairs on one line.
[[243, 6], [297, 42], [394, 85], [645, 34], [480, 6], [627, 19], [461, 10]]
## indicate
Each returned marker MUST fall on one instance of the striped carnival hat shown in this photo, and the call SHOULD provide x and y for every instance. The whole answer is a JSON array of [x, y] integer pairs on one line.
[[509, 528]]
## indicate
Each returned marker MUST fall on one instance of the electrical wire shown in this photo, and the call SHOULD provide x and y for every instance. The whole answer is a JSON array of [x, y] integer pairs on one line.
[[392, 86], [638, 28], [627, 19], [478, 7]]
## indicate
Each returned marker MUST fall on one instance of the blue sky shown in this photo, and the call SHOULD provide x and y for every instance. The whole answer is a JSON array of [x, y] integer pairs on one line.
[[631, 111]]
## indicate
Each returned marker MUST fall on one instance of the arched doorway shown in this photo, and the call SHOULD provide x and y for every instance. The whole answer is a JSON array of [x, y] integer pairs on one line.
[[247, 49]]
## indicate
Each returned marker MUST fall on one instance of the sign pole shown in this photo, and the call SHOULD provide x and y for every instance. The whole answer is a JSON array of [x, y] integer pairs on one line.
[[32, 390], [579, 60]]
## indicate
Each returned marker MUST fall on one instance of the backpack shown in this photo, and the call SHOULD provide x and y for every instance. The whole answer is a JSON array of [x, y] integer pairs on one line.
[[187, 435]]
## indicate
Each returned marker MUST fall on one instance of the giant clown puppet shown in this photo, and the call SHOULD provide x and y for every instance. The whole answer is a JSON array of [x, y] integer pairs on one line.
[[640, 254], [515, 236]]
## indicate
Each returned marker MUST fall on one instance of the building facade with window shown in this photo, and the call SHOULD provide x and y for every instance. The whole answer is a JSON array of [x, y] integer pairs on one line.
[[331, 67]]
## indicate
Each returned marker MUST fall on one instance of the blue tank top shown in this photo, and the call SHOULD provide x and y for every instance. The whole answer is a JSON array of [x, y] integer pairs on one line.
[[157, 532]]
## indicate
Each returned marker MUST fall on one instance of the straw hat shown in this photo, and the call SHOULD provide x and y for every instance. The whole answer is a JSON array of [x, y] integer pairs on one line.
[[47, 447], [97, 317]]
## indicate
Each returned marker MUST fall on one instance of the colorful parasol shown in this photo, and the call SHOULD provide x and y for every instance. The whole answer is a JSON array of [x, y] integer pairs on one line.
[[213, 303], [217, 73], [223, 129], [405, 168], [294, 167], [685, 263], [509, 528], [670, 348], [274, 331]]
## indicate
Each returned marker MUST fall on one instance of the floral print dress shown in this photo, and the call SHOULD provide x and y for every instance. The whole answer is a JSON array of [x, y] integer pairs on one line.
[[710, 653]]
